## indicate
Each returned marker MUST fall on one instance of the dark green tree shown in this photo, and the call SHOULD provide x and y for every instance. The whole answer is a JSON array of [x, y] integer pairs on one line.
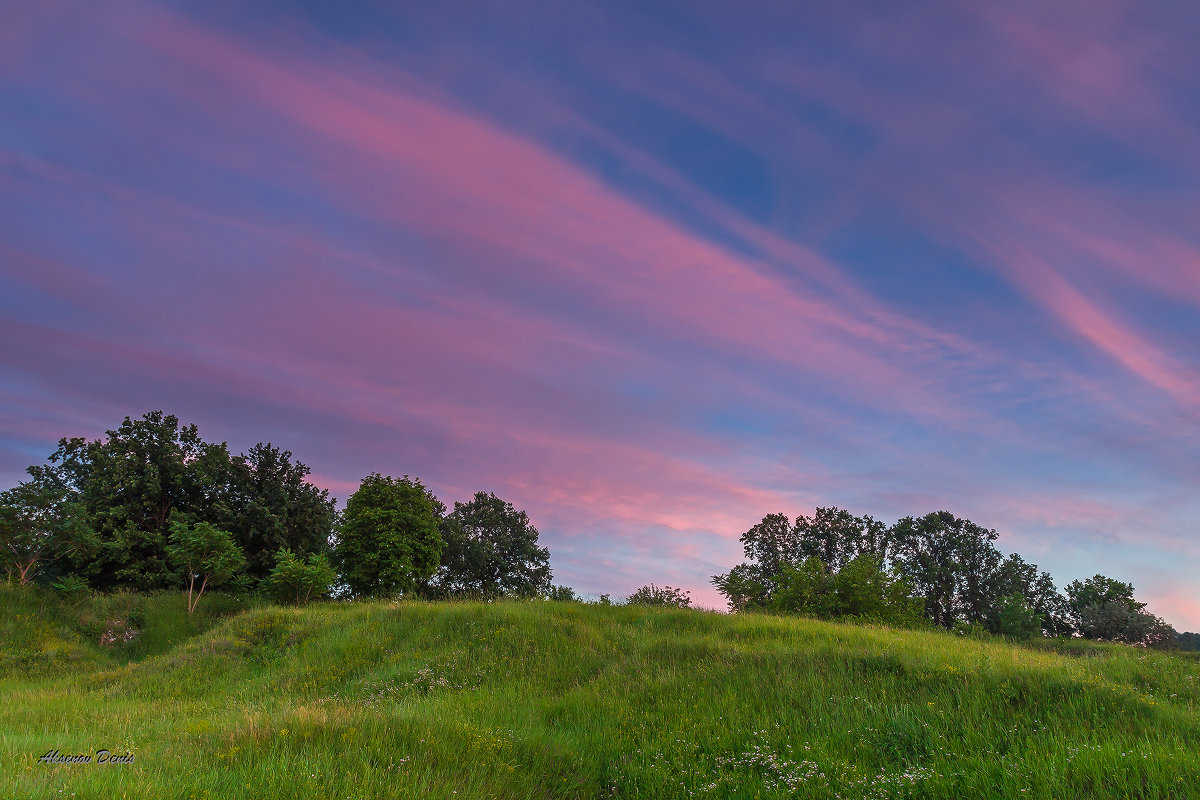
[[388, 542], [1188, 641], [1015, 618], [768, 546], [562, 594], [743, 588], [129, 484], [837, 537], [1098, 590], [1118, 621], [39, 525], [951, 563], [1037, 590], [269, 505], [491, 550], [863, 588], [806, 589], [1105, 609], [832, 535]]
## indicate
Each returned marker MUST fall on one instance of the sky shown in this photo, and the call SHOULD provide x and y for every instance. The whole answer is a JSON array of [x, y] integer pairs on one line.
[[649, 271]]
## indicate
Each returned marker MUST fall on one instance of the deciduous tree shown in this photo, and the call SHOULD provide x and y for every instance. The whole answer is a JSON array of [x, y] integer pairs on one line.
[[951, 562], [491, 550], [270, 505], [129, 484], [39, 525], [206, 555], [388, 542]]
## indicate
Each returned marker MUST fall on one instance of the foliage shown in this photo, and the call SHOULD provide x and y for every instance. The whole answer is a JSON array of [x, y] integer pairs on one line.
[[660, 596], [833, 535], [491, 551], [837, 537], [130, 484], [860, 589], [1105, 609], [1018, 577], [561, 594], [271, 506], [1098, 590], [864, 589], [952, 564], [805, 589], [1121, 621], [388, 541], [40, 524], [70, 587], [745, 588], [204, 553], [298, 581], [1016, 618]]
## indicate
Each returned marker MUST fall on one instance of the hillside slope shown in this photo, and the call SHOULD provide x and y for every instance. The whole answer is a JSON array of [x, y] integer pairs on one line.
[[548, 700]]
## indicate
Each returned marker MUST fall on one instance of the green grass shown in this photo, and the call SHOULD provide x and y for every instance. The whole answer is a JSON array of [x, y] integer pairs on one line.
[[549, 700]]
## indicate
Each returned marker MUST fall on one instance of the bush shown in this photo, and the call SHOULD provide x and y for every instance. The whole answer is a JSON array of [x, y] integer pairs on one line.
[[1016, 620], [861, 590], [660, 596], [562, 594], [296, 581], [70, 587]]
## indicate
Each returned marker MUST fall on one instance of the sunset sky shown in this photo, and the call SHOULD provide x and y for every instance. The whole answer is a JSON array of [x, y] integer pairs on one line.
[[647, 270]]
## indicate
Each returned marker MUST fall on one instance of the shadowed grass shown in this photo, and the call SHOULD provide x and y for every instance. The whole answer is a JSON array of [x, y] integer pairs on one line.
[[548, 700]]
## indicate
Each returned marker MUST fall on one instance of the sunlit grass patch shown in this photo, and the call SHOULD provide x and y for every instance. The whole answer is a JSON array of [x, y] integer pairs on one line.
[[548, 700]]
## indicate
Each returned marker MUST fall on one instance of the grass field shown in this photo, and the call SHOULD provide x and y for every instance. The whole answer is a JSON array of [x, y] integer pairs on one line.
[[550, 700]]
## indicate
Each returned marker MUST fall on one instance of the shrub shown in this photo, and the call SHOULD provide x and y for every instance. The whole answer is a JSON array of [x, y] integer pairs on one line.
[[661, 596], [296, 581], [562, 594], [1016, 620], [70, 587]]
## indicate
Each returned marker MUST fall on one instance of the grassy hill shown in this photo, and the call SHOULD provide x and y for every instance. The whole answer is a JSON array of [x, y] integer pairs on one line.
[[548, 700]]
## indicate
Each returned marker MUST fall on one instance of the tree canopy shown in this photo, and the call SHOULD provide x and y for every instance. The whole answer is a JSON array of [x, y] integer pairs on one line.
[[491, 550], [126, 487], [151, 505], [39, 525], [837, 564], [388, 542]]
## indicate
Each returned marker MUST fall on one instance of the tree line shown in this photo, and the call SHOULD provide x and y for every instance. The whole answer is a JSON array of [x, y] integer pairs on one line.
[[153, 506], [936, 569]]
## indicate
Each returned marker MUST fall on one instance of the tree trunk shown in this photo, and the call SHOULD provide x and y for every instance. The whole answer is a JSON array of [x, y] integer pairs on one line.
[[198, 595], [25, 571]]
